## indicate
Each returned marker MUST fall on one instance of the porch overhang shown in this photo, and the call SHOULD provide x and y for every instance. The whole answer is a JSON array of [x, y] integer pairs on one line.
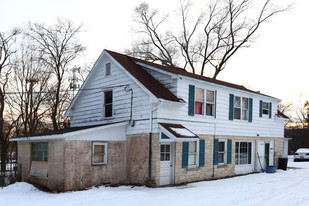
[[177, 133]]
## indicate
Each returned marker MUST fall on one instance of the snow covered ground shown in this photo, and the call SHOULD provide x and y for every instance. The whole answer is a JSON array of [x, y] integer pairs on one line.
[[283, 188]]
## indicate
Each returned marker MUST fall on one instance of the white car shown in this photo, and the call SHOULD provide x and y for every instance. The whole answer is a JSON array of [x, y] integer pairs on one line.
[[301, 154]]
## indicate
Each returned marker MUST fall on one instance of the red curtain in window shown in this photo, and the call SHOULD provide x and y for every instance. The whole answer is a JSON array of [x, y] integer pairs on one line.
[[198, 108]]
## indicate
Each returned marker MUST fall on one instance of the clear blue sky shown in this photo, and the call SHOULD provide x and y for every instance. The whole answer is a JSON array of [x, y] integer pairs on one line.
[[276, 64]]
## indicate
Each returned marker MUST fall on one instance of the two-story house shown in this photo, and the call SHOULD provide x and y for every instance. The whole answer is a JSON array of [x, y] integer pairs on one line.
[[134, 122]]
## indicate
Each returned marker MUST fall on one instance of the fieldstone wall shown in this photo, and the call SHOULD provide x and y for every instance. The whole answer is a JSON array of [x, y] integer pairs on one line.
[[210, 171], [137, 150]]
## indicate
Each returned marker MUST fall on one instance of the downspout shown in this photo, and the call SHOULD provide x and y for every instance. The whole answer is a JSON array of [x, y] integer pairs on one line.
[[213, 165], [150, 138]]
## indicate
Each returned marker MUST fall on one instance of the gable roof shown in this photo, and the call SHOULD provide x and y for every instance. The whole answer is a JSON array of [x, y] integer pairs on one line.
[[152, 84], [128, 63]]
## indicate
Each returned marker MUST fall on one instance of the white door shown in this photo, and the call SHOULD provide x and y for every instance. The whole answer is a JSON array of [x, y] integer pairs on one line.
[[166, 164], [244, 157], [266, 153]]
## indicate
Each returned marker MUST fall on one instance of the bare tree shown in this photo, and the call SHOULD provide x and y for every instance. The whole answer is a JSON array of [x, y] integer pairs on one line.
[[215, 35], [58, 46], [29, 83], [7, 49]]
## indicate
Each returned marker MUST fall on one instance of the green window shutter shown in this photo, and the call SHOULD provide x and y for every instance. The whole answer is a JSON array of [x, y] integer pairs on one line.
[[185, 154], [250, 109], [215, 112], [191, 100], [269, 110], [216, 151], [261, 108], [229, 151], [202, 152], [231, 108]]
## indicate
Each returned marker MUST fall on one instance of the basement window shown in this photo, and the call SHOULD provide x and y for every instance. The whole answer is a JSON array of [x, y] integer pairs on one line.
[[99, 153]]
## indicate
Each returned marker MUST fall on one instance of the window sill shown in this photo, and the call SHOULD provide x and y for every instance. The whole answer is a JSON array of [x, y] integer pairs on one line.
[[192, 168], [98, 164], [222, 166]]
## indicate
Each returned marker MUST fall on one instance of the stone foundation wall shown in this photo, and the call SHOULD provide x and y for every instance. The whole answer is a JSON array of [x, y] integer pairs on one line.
[[210, 171], [137, 147]]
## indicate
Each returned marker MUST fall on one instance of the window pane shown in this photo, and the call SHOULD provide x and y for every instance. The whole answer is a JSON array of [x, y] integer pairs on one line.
[[199, 94], [108, 110], [192, 159], [167, 148], [162, 157], [210, 97], [245, 114], [162, 148], [221, 157], [236, 113], [192, 147], [265, 105], [167, 156], [98, 158], [209, 109], [108, 97], [237, 102], [265, 111], [99, 149], [198, 108], [221, 146], [245, 103]]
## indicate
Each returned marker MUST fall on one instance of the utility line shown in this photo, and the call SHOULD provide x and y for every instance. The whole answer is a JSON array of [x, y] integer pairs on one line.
[[98, 88]]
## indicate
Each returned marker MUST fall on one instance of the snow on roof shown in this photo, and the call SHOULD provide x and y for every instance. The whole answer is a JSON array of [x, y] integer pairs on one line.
[[183, 132]]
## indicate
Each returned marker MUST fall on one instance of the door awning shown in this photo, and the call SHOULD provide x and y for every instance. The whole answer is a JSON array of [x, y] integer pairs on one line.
[[177, 132]]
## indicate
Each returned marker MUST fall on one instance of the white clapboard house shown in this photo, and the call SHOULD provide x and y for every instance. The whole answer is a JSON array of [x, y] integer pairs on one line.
[[136, 122]]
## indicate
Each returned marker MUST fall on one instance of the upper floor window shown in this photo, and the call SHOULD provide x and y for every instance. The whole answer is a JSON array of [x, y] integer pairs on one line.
[[265, 108], [204, 105], [108, 103], [210, 102], [199, 101], [241, 108], [107, 69]]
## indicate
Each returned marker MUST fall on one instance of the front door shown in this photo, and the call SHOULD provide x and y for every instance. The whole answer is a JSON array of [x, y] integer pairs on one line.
[[266, 153], [166, 164], [244, 157]]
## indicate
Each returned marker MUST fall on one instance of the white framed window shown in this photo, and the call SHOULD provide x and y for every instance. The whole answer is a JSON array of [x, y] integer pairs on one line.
[[222, 151], [241, 108], [210, 103], [108, 69], [266, 108], [199, 101], [108, 103], [204, 106], [192, 158], [99, 153], [243, 152]]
